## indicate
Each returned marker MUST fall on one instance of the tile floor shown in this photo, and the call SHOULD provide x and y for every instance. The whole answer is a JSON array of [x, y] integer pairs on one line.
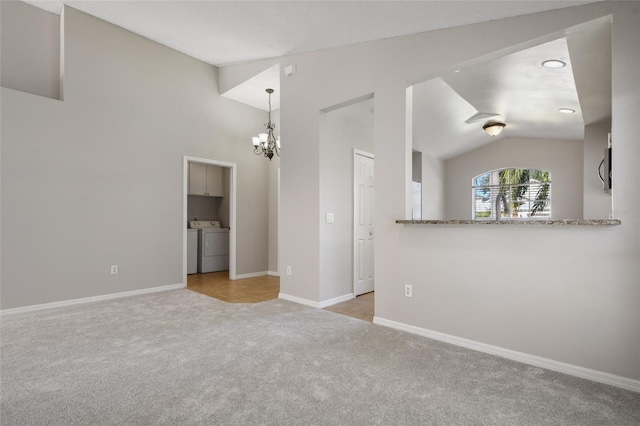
[[361, 307], [260, 289], [248, 290]]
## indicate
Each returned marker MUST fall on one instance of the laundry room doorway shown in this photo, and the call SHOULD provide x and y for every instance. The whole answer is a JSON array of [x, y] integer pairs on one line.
[[209, 216]]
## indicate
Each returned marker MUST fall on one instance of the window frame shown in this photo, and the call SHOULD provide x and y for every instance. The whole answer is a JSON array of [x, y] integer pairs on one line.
[[496, 188]]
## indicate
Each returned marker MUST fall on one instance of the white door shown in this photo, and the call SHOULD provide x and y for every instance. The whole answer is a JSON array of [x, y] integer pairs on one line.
[[363, 224]]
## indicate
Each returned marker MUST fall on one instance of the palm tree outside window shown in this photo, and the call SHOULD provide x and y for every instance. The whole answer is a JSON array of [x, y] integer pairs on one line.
[[528, 193]]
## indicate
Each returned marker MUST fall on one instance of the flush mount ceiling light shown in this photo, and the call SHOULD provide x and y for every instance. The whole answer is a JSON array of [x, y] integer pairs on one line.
[[554, 63], [493, 128], [267, 143], [566, 110]]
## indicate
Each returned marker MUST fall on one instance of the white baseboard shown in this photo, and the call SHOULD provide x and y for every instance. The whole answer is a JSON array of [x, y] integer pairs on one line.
[[89, 299], [252, 275], [549, 364], [299, 300], [313, 303], [257, 274], [335, 300]]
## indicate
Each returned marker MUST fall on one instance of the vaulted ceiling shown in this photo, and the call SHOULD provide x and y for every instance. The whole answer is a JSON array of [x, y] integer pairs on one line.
[[514, 87], [225, 32], [517, 90]]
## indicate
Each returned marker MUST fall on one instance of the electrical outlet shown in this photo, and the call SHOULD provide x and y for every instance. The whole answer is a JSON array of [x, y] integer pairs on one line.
[[288, 270], [408, 290], [114, 269], [329, 217]]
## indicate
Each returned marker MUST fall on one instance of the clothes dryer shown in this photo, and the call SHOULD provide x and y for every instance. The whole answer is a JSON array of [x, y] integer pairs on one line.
[[213, 246]]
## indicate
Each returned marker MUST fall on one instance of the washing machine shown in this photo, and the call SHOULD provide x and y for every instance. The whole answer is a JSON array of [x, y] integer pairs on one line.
[[213, 245]]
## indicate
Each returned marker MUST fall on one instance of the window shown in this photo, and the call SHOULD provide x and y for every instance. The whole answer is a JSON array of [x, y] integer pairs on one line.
[[527, 192]]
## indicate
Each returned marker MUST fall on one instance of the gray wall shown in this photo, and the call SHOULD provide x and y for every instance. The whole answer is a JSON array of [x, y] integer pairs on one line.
[[563, 159], [584, 311], [416, 166], [30, 45], [274, 198], [341, 131], [99, 176], [224, 207], [205, 208], [433, 188]]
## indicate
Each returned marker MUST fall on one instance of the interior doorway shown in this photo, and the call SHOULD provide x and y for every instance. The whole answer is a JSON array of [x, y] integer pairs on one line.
[[228, 200], [363, 224], [346, 129]]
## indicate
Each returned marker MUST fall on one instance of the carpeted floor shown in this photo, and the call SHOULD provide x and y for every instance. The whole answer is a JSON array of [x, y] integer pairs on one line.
[[181, 358]]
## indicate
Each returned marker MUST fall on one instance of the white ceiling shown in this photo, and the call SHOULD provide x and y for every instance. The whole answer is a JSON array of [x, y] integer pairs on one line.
[[253, 91], [227, 32], [521, 92]]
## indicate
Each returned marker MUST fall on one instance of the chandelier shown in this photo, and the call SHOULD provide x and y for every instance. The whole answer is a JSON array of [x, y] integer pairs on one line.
[[267, 143]]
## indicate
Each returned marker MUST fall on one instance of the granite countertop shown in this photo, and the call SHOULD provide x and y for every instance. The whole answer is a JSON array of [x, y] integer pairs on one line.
[[557, 222]]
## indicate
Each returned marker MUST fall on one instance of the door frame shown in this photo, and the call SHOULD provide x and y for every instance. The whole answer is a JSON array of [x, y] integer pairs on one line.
[[354, 241], [232, 210]]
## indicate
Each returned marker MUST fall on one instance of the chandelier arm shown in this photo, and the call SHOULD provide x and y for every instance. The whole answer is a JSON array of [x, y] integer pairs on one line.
[[269, 146]]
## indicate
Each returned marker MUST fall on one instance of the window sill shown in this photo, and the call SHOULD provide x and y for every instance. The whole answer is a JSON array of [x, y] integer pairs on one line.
[[558, 222]]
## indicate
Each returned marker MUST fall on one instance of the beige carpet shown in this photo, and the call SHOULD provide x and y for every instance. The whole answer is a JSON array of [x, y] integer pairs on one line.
[[181, 358]]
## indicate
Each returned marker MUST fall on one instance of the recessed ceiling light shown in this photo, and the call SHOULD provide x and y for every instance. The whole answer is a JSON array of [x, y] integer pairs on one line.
[[554, 63], [566, 110]]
